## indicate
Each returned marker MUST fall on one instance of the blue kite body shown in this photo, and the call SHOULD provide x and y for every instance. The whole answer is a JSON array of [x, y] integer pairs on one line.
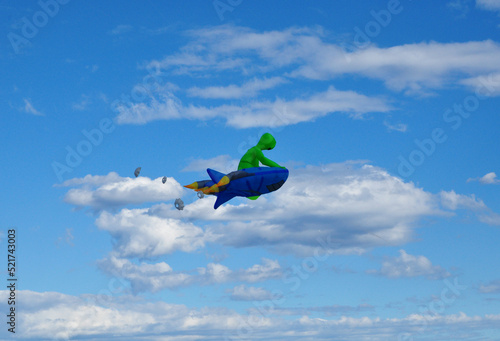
[[247, 182]]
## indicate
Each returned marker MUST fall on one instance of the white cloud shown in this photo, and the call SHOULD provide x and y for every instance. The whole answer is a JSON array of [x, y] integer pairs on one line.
[[490, 5], [166, 106], [269, 269], [138, 233], [348, 208], [490, 218], [52, 315], [337, 207], [93, 180], [30, 109], [144, 276], [486, 85], [244, 293], [268, 59], [218, 273], [248, 89], [488, 179], [410, 266], [492, 287], [400, 127], [453, 201], [154, 277], [114, 191], [417, 67], [304, 52]]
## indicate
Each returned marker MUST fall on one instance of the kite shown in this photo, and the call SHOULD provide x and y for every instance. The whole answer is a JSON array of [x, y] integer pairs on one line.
[[164, 179], [179, 204], [137, 171], [249, 180]]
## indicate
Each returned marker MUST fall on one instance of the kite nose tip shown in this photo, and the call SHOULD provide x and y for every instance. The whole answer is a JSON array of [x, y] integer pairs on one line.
[[194, 185]]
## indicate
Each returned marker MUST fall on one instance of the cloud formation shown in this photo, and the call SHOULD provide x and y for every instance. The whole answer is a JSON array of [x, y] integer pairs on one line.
[[137, 233], [488, 179], [348, 208], [410, 266], [52, 315], [154, 277], [248, 89], [165, 105], [303, 52], [113, 191], [267, 59]]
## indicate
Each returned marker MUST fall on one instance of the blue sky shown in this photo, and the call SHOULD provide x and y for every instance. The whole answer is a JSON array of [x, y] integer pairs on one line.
[[384, 112]]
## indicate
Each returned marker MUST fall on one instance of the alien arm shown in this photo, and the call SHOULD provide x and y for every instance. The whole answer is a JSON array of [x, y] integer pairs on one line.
[[265, 161]]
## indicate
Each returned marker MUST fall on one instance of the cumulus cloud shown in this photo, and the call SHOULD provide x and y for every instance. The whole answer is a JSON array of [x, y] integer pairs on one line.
[[144, 276], [138, 233], [154, 277], [347, 208], [454, 201], [410, 266], [339, 207], [52, 315], [488, 179], [112, 191]]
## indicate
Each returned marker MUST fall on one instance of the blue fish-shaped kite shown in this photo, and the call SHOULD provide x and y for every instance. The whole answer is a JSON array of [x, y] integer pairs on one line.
[[247, 182]]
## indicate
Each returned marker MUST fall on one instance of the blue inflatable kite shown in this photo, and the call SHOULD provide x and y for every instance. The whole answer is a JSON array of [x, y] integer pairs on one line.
[[249, 180]]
